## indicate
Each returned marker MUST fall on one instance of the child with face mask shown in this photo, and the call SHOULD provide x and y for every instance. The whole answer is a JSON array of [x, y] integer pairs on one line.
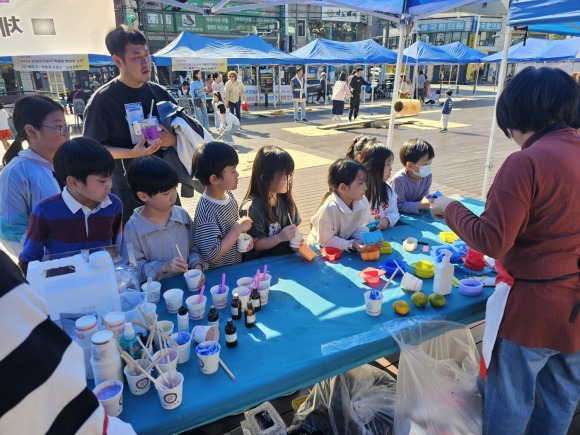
[[412, 182]]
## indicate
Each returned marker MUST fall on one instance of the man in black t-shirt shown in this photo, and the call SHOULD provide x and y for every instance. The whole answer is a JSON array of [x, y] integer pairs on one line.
[[122, 101], [355, 84]]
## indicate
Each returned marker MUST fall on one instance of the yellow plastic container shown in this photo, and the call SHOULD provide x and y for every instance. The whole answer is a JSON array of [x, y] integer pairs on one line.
[[371, 254], [424, 269], [386, 248], [448, 236]]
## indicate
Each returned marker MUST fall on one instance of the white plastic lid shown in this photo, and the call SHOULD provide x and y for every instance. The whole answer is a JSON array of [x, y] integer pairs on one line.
[[100, 258], [86, 322]]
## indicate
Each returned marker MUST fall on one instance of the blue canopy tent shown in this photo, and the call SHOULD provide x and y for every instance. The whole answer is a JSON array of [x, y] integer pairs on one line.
[[251, 50], [547, 16], [375, 52], [464, 53], [324, 52], [423, 52], [559, 50], [525, 51], [185, 45]]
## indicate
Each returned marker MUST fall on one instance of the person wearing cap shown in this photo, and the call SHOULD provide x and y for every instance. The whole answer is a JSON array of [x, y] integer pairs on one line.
[[322, 89], [123, 101], [355, 84]]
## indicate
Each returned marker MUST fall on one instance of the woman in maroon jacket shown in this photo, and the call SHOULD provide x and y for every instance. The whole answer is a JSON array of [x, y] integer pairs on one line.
[[531, 225]]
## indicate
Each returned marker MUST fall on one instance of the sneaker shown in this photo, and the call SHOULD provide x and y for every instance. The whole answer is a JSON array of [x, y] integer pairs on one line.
[[443, 129], [304, 120], [296, 120], [349, 120]]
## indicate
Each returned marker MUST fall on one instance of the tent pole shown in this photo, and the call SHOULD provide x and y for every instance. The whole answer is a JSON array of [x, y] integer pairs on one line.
[[396, 82], [280, 84], [475, 41], [258, 87], [502, 74], [326, 90], [456, 79]]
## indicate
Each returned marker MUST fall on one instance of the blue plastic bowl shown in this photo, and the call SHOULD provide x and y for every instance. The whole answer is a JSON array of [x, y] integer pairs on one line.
[[390, 266]]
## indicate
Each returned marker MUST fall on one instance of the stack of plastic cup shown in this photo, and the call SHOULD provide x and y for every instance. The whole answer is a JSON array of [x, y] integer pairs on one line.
[[105, 358], [85, 328]]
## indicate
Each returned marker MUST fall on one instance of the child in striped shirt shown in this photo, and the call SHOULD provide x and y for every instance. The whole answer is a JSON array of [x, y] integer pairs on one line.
[[217, 221], [86, 214]]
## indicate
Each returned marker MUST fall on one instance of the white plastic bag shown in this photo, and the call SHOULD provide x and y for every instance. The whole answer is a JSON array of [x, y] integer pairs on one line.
[[436, 384], [360, 401]]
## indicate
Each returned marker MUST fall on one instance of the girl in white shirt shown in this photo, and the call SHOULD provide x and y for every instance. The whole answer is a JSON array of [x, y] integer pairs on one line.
[[340, 220], [5, 131], [229, 124], [378, 161]]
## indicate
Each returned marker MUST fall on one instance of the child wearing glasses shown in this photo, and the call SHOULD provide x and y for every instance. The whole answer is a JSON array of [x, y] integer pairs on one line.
[[86, 214], [27, 177], [269, 203]]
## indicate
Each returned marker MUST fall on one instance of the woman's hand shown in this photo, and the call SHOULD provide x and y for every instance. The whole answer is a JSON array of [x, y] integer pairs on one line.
[[439, 205]]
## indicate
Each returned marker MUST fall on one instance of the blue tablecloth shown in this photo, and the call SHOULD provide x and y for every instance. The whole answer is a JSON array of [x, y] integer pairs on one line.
[[314, 327]]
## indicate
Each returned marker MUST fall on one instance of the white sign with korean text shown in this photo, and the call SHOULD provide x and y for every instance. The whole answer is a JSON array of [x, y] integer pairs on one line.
[[190, 63], [40, 27], [70, 62], [340, 14]]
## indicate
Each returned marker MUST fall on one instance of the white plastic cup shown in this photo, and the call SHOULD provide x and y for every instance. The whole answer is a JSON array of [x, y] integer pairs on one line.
[[265, 279], [196, 311], [116, 322], [153, 291], [264, 291], [103, 346], [410, 244], [244, 295], [220, 300], [110, 394], [203, 333], [169, 362], [171, 397], [244, 282], [411, 282], [138, 383], [173, 299], [167, 327], [373, 306], [244, 242], [208, 363], [183, 340], [85, 327], [295, 242], [192, 278], [107, 370]]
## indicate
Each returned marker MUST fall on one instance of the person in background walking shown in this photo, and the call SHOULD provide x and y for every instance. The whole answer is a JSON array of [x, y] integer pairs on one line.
[[421, 87], [339, 92], [446, 111], [403, 88], [234, 90], [355, 84], [322, 89], [5, 131], [298, 86]]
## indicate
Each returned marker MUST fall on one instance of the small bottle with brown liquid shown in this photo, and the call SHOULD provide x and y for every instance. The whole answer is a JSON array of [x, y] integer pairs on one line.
[[250, 315], [231, 334], [236, 307]]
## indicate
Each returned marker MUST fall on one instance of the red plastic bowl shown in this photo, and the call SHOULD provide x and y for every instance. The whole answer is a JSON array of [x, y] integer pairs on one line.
[[371, 275], [331, 254]]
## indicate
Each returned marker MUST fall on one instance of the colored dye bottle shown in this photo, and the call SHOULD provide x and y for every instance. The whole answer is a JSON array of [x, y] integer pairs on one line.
[[128, 342], [255, 298], [213, 318], [250, 315], [183, 320], [231, 334], [236, 307]]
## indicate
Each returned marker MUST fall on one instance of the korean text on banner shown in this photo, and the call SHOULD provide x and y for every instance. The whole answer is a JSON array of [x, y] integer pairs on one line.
[[69, 62], [188, 64]]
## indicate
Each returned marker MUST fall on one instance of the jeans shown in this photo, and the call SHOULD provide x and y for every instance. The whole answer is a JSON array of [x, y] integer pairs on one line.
[[533, 388], [201, 116], [303, 108], [227, 137], [236, 109], [354, 106]]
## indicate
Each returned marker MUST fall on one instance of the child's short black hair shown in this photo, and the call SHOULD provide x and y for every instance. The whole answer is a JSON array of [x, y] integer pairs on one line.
[[221, 108], [413, 149], [81, 157], [449, 92], [151, 175], [211, 159]]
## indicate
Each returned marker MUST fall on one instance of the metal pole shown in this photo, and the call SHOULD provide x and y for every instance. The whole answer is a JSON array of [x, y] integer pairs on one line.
[[398, 67], [165, 26], [502, 74], [475, 41]]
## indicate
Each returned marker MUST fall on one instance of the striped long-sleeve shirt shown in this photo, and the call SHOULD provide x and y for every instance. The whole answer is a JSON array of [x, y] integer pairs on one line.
[[57, 226], [212, 222]]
